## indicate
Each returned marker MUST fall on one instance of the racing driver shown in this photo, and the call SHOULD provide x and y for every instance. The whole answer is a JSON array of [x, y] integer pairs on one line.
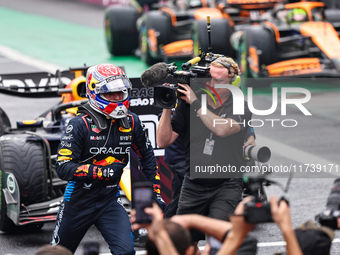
[[92, 153]]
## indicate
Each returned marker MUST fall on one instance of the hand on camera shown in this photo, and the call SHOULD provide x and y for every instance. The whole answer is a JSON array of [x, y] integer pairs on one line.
[[250, 141], [240, 227], [189, 95], [280, 212]]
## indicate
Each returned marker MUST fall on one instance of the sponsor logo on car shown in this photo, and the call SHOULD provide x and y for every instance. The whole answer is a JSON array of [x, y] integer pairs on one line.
[[10, 183]]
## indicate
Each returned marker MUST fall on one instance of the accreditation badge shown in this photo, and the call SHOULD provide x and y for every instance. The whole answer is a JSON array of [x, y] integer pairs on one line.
[[208, 146]]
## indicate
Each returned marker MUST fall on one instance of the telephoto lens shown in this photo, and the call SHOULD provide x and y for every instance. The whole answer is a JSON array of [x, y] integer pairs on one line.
[[329, 217], [258, 153]]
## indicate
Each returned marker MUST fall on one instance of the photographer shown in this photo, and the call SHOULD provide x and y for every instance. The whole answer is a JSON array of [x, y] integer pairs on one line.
[[164, 236], [330, 217], [216, 198], [240, 228]]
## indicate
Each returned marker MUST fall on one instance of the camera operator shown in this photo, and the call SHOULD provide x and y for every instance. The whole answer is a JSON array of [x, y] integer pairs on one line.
[[216, 198]]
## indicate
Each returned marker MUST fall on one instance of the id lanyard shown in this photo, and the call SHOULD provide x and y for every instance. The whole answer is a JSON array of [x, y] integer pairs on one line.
[[209, 142]]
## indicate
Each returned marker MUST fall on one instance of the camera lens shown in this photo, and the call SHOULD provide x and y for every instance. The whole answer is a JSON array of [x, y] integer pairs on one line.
[[165, 96], [333, 201]]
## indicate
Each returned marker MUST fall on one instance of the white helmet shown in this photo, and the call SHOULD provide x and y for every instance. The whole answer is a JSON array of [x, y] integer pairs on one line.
[[105, 78]]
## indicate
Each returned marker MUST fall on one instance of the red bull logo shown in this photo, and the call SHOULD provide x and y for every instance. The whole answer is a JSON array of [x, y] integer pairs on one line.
[[107, 161], [83, 169]]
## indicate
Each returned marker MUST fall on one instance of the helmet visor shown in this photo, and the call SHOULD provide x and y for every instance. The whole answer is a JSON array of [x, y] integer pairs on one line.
[[113, 84]]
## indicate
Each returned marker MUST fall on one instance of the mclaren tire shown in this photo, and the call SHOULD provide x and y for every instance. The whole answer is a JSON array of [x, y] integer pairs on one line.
[[264, 41], [121, 29], [220, 37], [160, 22]]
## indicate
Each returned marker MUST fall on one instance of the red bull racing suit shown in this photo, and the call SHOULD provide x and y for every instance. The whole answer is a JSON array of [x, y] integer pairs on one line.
[[92, 161]]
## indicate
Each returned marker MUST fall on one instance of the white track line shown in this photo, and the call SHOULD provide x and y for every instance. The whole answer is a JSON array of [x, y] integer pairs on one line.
[[24, 59]]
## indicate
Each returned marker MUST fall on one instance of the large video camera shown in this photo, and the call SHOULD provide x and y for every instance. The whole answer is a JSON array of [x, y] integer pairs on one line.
[[166, 96], [258, 209], [329, 217]]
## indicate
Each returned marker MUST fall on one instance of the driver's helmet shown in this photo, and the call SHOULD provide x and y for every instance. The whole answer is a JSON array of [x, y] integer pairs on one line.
[[105, 78], [318, 14], [296, 16]]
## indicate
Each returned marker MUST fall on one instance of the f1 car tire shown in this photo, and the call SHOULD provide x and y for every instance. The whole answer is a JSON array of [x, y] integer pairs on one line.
[[121, 29], [23, 155], [264, 41], [4, 122], [220, 37], [160, 22]]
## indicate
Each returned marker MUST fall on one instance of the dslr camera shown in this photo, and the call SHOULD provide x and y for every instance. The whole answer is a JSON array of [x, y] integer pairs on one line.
[[329, 217], [258, 209], [166, 96]]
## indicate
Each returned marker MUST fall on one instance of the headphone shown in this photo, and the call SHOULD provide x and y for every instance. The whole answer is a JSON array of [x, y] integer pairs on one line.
[[236, 80]]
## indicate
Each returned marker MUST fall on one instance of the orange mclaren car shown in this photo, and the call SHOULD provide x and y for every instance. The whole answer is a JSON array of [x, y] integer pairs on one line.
[[177, 30]]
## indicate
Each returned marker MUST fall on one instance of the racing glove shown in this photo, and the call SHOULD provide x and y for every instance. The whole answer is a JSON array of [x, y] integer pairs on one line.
[[159, 200], [111, 173], [157, 196]]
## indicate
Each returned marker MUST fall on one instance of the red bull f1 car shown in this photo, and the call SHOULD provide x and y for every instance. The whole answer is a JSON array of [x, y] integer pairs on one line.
[[30, 191]]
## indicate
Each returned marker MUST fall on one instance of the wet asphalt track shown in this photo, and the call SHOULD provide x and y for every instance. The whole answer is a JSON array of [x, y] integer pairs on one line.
[[317, 135]]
